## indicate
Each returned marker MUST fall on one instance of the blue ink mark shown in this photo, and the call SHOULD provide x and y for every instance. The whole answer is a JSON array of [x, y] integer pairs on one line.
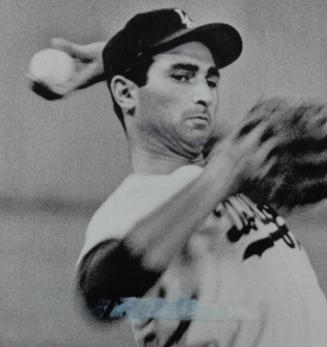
[[183, 309]]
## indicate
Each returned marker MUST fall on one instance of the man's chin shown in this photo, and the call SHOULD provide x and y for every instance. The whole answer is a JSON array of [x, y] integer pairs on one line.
[[195, 147]]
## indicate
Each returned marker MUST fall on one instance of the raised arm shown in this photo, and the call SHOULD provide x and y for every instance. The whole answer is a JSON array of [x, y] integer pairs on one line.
[[131, 266], [88, 69]]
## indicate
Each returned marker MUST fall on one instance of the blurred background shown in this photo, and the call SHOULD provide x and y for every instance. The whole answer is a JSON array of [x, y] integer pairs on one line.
[[59, 160]]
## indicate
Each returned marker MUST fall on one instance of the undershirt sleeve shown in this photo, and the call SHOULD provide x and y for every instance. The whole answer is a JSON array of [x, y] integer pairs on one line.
[[110, 273]]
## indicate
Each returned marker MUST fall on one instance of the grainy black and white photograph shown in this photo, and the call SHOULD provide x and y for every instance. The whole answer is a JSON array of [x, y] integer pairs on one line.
[[163, 173]]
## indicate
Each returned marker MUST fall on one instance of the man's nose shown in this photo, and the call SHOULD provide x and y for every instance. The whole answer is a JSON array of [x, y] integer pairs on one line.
[[203, 94]]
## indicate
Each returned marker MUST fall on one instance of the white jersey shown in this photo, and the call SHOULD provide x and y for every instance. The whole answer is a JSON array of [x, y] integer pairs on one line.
[[242, 279]]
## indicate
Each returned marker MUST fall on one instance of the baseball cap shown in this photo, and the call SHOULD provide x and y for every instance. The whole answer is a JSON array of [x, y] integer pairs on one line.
[[156, 31]]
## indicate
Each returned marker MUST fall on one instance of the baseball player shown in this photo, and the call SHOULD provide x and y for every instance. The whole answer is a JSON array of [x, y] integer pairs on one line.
[[174, 248]]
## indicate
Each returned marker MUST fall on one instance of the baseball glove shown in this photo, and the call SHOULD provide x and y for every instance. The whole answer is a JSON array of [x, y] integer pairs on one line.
[[299, 173]]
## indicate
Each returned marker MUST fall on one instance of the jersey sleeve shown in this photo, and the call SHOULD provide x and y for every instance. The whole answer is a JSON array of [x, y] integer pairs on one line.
[[134, 199]]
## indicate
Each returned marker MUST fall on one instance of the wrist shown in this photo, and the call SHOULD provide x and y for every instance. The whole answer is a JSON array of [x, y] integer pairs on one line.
[[221, 176]]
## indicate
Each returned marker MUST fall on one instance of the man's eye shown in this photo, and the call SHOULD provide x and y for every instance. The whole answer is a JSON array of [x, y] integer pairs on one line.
[[180, 78], [212, 84]]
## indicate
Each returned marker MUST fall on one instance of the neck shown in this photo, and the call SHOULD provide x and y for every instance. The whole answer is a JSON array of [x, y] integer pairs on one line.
[[152, 163]]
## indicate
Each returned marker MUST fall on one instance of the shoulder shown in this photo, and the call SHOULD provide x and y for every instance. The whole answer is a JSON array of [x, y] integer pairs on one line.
[[137, 195], [104, 224], [134, 199]]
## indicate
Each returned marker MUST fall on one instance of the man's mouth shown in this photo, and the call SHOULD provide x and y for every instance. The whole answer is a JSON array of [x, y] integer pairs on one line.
[[200, 117]]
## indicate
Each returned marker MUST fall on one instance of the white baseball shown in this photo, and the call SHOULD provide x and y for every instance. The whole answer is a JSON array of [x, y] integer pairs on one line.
[[51, 66]]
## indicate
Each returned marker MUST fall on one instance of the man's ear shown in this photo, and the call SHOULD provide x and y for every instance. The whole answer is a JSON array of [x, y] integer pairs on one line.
[[124, 91]]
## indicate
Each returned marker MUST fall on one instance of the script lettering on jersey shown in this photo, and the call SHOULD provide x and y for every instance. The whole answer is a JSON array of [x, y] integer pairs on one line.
[[246, 214]]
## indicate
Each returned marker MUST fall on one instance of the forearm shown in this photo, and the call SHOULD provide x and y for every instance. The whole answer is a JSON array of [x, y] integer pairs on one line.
[[152, 243], [162, 234], [88, 69], [131, 266]]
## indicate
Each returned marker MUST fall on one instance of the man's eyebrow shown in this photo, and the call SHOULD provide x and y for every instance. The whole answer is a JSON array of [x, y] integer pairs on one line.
[[184, 66], [213, 71]]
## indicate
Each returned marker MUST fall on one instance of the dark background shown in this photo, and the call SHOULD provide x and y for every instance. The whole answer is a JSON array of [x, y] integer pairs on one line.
[[59, 160]]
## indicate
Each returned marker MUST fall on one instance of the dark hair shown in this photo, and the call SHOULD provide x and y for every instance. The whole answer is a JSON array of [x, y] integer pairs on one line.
[[138, 73]]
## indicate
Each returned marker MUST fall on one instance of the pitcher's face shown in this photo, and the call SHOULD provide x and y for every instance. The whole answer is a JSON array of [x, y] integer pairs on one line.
[[178, 104]]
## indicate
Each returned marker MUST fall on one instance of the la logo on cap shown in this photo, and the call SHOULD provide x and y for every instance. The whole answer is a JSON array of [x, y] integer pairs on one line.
[[185, 19]]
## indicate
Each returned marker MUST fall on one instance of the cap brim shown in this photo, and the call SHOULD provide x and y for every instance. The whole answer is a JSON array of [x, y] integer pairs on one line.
[[222, 39]]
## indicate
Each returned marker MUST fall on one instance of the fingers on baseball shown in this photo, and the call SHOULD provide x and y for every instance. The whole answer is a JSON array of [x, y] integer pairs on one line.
[[84, 53], [73, 49], [63, 45]]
